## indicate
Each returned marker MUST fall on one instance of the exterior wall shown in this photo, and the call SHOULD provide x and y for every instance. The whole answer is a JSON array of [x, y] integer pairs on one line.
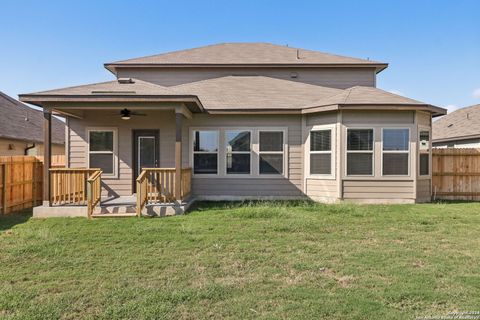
[[297, 183], [317, 188], [290, 186], [9, 147], [379, 188], [122, 184], [329, 77], [202, 187]]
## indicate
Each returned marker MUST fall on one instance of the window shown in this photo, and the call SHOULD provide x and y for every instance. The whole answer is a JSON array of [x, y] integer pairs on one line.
[[424, 152], [238, 151], [205, 152], [360, 152], [321, 152], [102, 150], [271, 152], [395, 152]]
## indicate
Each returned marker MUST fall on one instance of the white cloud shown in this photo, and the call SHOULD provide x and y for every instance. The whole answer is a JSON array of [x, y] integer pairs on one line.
[[476, 93], [400, 93], [451, 107]]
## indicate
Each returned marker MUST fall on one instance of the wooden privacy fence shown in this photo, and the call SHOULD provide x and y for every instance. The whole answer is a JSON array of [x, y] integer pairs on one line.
[[456, 174], [21, 182]]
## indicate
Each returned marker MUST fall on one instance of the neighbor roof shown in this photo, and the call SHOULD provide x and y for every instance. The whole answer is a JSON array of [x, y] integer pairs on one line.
[[461, 124], [21, 122], [254, 92], [245, 54]]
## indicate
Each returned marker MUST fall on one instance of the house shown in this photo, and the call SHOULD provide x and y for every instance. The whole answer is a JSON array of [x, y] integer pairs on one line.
[[238, 121], [459, 129], [21, 130]]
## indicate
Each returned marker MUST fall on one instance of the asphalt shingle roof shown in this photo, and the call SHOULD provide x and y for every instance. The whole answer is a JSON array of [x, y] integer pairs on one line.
[[18, 121], [461, 123], [246, 53]]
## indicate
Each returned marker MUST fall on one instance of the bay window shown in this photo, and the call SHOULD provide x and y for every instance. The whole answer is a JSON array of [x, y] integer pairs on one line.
[[238, 151], [102, 150], [360, 152], [395, 152], [271, 152], [205, 151], [321, 152]]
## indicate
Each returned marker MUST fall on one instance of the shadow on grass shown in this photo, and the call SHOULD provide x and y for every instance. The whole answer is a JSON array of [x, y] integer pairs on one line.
[[221, 205], [9, 220]]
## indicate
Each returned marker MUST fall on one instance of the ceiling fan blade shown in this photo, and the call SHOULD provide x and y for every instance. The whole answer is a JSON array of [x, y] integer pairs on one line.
[[138, 114]]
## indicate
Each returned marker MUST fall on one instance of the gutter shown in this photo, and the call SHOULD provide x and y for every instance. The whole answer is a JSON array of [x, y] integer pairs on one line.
[[25, 152]]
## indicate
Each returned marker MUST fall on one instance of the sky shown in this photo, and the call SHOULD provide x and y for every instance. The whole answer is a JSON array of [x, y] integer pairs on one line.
[[432, 47]]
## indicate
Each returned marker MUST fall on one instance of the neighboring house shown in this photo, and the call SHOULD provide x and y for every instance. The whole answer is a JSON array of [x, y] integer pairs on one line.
[[254, 121], [21, 130], [459, 129]]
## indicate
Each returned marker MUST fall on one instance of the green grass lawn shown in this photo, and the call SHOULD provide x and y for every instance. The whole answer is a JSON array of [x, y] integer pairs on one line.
[[262, 260]]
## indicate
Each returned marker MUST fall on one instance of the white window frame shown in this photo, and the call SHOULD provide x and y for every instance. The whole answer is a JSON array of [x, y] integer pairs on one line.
[[225, 130], [114, 152], [283, 152], [193, 152], [396, 151], [255, 147], [423, 151], [360, 151], [332, 152]]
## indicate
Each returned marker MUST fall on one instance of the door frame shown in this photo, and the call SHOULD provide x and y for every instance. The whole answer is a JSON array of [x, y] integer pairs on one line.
[[135, 134]]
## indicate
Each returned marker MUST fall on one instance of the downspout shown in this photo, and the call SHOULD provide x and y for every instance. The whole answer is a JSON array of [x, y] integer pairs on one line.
[[28, 148]]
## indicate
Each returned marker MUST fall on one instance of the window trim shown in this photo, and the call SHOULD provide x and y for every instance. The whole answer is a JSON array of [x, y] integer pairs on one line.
[[233, 175], [193, 152], [114, 152], [428, 151], [332, 152], [360, 151], [283, 152], [408, 152]]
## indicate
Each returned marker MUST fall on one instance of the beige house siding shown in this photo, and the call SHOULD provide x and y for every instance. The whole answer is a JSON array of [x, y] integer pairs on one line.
[[250, 187], [379, 188], [295, 184], [322, 189], [10, 147], [330, 77], [287, 187]]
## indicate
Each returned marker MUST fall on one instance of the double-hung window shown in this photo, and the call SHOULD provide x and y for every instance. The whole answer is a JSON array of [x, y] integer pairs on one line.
[[395, 152], [238, 151], [321, 152], [102, 150], [271, 152], [205, 152], [360, 152], [424, 152]]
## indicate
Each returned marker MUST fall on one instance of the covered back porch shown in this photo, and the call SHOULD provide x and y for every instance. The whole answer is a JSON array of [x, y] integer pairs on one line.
[[118, 163]]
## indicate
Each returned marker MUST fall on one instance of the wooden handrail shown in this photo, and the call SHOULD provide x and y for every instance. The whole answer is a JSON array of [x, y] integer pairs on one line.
[[69, 185], [157, 186], [94, 191]]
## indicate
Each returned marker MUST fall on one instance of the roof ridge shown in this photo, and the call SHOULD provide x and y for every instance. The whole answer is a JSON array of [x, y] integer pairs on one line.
[[69, 87]]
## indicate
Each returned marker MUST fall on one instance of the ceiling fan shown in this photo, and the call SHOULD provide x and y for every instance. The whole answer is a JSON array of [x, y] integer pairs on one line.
[[126, 114]]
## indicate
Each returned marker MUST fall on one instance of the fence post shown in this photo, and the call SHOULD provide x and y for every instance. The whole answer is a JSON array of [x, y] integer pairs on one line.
[[5, 188]]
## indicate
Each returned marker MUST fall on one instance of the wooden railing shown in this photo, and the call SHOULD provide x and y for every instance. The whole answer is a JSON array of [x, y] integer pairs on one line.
[[94, 191], [69, 185], [157, 186], [186, 182]]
